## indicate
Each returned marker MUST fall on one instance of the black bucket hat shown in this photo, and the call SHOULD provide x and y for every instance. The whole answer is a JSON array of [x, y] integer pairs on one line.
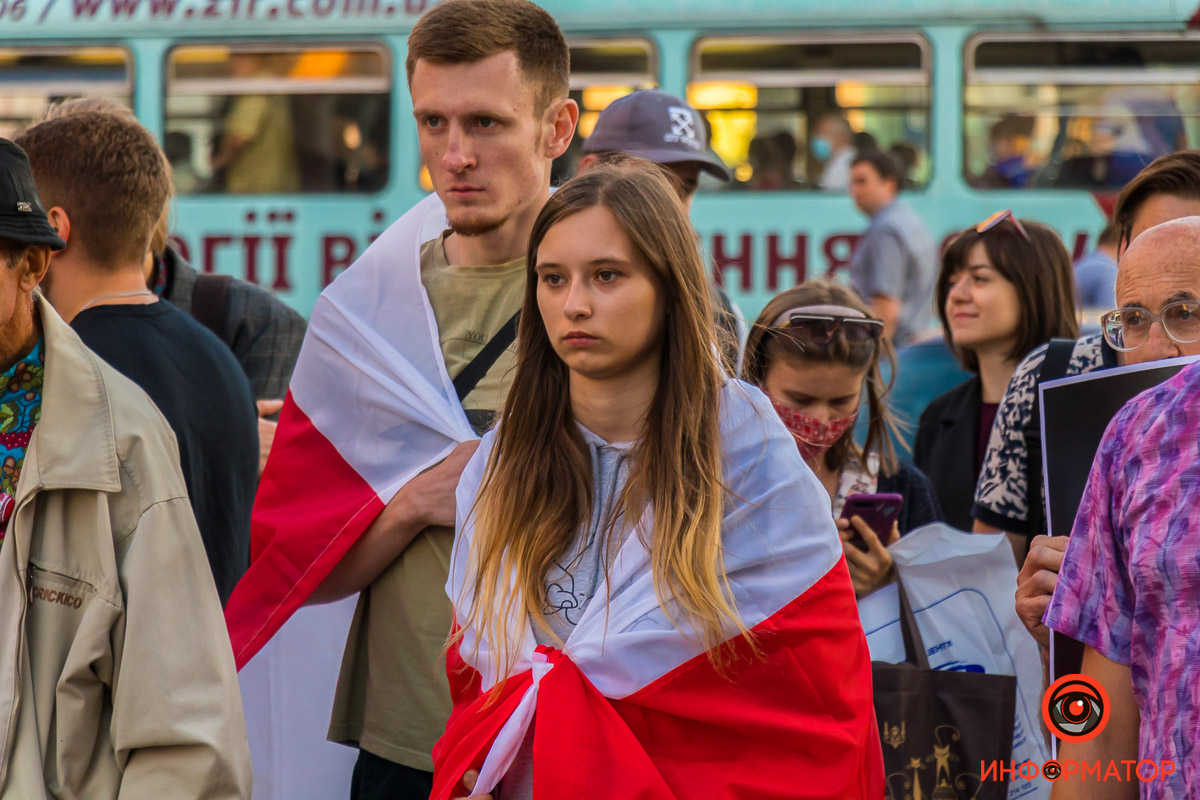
[[22, 218]]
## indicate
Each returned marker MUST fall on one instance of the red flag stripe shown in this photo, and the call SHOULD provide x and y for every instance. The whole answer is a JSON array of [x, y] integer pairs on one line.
[[310, 508]]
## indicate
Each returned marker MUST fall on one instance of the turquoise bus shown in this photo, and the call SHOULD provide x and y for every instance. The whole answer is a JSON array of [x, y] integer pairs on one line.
[[1072, 92]]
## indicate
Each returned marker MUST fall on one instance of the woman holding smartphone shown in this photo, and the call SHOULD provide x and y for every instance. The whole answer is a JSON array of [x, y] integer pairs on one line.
[[1006, 286], [649, 600], [815, 351]]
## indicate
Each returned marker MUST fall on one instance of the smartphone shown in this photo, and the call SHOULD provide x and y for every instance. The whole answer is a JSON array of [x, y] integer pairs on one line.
[[879, 511]]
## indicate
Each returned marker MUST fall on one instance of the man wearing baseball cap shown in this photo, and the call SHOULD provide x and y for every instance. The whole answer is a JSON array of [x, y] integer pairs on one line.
[[662, 128], [124, 681], [658, 127]]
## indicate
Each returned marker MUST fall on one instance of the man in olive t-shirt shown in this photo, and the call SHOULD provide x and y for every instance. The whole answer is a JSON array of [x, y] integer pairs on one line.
[[392, 697], [489, 130]]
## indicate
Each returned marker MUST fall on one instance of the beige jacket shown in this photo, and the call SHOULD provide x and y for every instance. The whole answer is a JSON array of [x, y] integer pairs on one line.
[[116, 673]]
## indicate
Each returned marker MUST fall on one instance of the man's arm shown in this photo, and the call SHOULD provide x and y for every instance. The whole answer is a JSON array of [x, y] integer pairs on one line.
[[1118, 741], [426, 500], [177, 725]]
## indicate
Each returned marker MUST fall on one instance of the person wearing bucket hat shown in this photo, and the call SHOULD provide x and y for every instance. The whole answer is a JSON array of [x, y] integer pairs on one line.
[[658, 127], [102, 561]]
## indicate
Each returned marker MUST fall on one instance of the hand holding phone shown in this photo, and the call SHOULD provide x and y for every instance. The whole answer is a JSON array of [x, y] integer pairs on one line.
[[878, 511]]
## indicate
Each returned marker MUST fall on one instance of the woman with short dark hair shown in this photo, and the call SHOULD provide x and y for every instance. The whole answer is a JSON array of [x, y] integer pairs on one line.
[[1005, 287]]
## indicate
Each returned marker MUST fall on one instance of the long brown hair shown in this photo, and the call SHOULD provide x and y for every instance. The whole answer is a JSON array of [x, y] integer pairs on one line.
[[766, 344], [1039, 269], [537, 488]]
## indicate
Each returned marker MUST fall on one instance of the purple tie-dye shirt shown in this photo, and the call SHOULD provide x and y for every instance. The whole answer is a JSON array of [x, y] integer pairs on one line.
[[1130, 580]]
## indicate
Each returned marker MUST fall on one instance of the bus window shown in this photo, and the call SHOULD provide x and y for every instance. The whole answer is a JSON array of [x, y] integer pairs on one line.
[[602, 70], [1078, 111], [789, 112], [295, 118], [31, 78]]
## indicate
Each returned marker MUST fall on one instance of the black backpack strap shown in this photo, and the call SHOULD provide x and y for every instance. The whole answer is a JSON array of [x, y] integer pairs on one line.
[[1054, 366], [210, 302], [473, 373]]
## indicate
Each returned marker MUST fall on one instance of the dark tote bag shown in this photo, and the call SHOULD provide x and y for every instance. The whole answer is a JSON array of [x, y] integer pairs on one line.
[[937, 726]]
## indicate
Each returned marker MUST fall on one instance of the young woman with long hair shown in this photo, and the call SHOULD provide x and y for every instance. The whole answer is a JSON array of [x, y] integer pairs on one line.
[[1005, 286], [815, 351], [642, 557]]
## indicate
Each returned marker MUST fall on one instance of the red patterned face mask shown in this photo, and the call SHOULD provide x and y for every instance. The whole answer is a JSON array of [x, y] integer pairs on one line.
[[813, 437]]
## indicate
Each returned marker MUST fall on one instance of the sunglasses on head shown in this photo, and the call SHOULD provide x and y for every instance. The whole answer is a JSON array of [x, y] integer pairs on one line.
[[821, 328], [997, 218]]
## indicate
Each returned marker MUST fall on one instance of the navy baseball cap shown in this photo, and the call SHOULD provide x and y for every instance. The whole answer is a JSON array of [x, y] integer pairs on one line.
[[22, 218], [658, 127]]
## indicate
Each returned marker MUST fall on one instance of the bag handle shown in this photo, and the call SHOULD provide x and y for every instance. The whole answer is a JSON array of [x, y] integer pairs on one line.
[[914, 646]]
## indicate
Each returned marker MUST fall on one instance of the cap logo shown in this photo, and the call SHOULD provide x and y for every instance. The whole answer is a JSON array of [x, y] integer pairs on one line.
[[23, 206], [683, 127]]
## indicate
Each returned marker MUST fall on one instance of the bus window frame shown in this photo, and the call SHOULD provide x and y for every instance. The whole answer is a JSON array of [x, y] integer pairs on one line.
[[58, 49], [325, 87], [1072, 76], [788, 79], [654, 72], [785, 79]]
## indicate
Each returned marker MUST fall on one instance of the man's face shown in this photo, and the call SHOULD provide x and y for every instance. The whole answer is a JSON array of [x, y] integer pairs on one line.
[[870, 191], [1159, 269], [486, 150]]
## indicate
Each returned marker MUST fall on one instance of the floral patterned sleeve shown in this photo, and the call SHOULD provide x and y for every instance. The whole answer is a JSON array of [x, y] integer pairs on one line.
[[1001, 496]]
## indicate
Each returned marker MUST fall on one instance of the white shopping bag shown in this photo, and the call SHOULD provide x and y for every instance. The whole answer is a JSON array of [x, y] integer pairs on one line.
[[961, 587]]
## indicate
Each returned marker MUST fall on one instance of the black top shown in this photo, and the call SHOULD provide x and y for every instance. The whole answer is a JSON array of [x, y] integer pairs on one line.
[[198, 386], [947, 438], [920, 505]]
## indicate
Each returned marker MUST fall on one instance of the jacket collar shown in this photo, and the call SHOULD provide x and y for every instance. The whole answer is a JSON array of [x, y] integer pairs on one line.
[[73, 445], [963, 401]]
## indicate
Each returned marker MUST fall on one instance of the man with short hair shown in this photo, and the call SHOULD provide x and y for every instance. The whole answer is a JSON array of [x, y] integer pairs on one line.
[[105, 182], [122, 683], [831, 146], [1169, 188], [489, 83], [665, 130], [894, 264]]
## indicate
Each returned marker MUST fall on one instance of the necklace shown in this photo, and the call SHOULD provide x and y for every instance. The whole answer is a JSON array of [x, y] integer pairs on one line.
[[95, 300]]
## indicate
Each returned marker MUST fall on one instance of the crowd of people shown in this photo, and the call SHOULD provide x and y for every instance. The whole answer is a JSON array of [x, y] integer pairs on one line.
[[601, 530]]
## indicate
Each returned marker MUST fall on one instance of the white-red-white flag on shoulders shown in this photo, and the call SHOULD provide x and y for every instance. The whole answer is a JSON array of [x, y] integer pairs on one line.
[[370, 405], [632, 708]]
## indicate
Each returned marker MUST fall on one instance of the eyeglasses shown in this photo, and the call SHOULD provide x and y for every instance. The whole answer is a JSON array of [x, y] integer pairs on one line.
[[820, 328], [1129, 328], [1001, 216]]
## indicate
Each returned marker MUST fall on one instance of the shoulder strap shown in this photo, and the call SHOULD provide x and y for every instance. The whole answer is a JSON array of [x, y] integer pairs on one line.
[[914, 646], [210, 302], [1054, 366], [473, 373]]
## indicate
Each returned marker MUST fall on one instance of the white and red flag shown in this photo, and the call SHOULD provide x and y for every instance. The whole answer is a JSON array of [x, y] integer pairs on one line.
[[370, 405], [632, 708]]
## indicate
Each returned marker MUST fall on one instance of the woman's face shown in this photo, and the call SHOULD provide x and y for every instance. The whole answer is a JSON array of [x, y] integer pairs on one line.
[[824, 391], [599, 299], [982, 306]]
